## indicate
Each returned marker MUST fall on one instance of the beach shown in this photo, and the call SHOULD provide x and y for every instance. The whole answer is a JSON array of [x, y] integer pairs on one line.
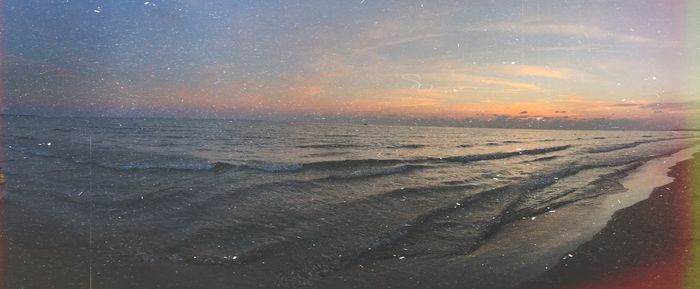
[[647, 245]]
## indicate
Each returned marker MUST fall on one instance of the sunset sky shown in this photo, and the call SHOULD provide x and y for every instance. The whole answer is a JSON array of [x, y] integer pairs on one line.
[[363, 58]]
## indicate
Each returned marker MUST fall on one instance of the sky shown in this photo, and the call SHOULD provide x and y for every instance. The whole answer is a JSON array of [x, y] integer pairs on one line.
[[529, 61]]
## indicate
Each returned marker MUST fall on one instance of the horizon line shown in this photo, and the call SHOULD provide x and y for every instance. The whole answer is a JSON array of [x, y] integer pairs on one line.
[[381, 121]]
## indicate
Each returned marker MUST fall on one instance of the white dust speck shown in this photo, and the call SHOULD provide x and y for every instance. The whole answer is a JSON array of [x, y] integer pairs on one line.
[[533, 218], [402, 257]]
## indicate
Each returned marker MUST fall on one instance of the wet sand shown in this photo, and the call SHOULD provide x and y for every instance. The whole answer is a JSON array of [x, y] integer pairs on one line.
[[643, 246]]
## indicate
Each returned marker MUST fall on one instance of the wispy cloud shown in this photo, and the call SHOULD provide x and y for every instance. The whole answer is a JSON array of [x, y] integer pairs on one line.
[[560, 29], [504, 85], [668, 106], [686, 105], [537, 71], [384, 43], [625, 104]]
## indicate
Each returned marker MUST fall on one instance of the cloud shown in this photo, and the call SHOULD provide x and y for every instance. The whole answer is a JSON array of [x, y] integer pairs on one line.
[[588, 47], [396, 41], [687, 105], [504, 85], [537, 71], [510, 85], [567, 30]]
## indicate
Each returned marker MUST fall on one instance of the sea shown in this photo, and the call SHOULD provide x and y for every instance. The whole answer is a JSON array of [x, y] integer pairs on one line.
[[216, 203]]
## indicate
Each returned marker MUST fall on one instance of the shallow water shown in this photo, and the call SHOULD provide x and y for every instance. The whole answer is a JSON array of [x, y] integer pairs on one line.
[[642, 182], [294, 205]]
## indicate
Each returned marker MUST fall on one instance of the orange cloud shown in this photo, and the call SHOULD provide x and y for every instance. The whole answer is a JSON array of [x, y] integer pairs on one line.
[[507, 86], [537, 71]]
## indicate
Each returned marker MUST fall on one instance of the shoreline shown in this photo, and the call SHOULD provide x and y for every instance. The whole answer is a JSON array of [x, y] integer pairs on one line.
[[646, 245]]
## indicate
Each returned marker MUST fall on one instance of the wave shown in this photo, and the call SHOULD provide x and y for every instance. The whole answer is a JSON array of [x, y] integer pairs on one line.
[[610, 148], [175, 136], [467, 158], [329, 146], [502, 155], [277, 168], [405, 146], [171, 166], [378, 171], [542, 159], [603, 184], [502, 202], [615, 147], [35, 152], [341, 135], [328, 154], [335, 164], [64, 129], [12, 138], [163, 163], [492, 208], [266, 167], [115, 159], [370, 167]]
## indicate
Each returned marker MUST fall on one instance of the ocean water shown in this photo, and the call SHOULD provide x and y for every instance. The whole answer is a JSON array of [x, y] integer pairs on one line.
[[259, 204]]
